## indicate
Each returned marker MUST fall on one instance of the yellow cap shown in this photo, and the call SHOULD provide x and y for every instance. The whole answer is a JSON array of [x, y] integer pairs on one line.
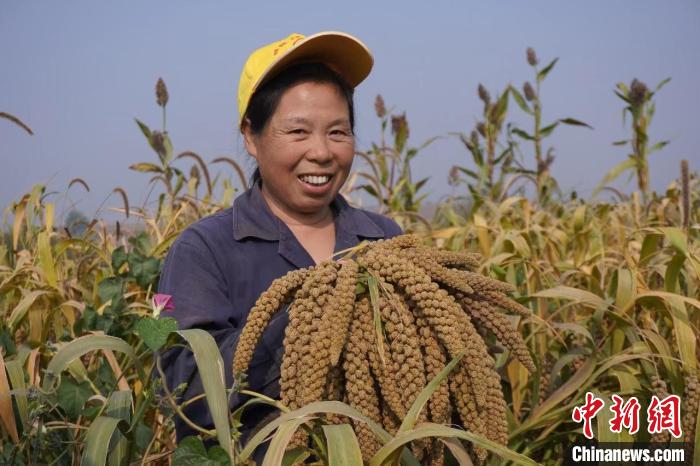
[[343, 53]]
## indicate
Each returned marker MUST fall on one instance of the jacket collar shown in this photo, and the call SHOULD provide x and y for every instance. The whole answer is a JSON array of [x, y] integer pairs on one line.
[[252, 218]]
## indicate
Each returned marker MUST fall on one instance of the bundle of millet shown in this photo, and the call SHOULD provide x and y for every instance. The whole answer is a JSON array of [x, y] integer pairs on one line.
[[432, 305]]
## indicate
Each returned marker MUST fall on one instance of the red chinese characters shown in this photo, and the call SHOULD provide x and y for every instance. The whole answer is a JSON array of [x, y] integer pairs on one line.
[[665, 415], [587, 412], [661, 414], [625, 414]]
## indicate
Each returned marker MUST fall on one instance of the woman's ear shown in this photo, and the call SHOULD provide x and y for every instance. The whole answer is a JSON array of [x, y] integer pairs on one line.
[[249, 138]]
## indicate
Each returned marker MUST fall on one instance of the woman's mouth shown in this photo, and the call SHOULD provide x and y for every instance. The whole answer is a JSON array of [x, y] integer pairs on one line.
[[315, 180]]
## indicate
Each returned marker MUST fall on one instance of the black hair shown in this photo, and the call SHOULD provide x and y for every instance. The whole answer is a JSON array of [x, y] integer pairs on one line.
[[264, 101]]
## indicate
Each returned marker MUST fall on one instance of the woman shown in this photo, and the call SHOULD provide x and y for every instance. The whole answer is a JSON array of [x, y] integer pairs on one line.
[[296, 115]]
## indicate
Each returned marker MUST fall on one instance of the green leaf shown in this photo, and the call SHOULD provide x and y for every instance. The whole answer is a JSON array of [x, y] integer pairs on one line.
[[189, 449], [119, 407], [547, 130], [112, 289], [523, 134], [409, 421], [673, 270], [72, 396], [574, 122], [76, 348], [295, 456], [15, 372], [142, 436], [7, 342], [211, 371], [144, 129], [677, 238], [219, 456], [334, 407], [649, 247], [119, 257], [191, 452], [658, 146], [522, 103], [145, 270], [502, 105], [420, 183], [468, 172], [620, 143], [155, 332], [623, 97], [98, 440], [343, 448], [278, 445], [545, 71], [616, 171], [685, 336], [370, 190], [146, 167], [661, 84], [573, 384], [429, 429], [142, 244]]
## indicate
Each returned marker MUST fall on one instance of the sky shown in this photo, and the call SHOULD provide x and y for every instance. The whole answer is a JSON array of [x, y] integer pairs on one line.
[[79, 72]]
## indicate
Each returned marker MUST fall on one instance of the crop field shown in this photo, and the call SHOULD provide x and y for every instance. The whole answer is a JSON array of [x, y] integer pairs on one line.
[[567, 296]]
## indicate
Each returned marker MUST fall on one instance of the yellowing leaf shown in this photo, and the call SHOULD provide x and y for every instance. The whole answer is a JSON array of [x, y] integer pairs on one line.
[[482, 233], [574, 294], [20, 213], [22, 307], [626, 288], [8, 417], [48, 217], [46, 258]]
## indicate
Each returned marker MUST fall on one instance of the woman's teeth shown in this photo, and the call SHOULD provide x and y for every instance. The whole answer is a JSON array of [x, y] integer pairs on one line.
[[316, 180]]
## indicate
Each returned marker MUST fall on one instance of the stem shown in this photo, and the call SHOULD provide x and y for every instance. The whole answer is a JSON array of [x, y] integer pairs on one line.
[[490, 152], [541, 169], [183, 416]]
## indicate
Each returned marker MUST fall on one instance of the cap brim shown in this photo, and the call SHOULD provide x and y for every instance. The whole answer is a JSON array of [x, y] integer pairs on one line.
[[345, 54]]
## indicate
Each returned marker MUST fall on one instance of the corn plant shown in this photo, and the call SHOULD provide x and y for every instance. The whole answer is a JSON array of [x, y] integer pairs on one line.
[[531, 104], [615, 292], [490, 154], [387, 176], [640, 107], [181, 203]]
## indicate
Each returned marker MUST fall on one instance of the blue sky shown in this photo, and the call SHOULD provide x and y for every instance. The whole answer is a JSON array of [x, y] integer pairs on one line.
[[79, 72]]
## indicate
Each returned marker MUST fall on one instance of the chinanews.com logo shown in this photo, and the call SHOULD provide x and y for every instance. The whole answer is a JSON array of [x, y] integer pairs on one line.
[[662, 418]]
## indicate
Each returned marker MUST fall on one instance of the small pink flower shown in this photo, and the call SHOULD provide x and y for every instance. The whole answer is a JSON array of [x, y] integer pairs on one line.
[[162, 302]]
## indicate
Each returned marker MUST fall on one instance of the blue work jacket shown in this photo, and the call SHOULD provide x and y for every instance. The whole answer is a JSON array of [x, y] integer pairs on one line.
[[215, 271]]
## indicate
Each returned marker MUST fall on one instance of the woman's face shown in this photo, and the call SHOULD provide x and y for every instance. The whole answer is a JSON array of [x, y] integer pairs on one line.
[[306, 150]]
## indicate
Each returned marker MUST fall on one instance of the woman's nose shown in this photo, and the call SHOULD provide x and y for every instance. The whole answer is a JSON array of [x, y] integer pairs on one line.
[[320, 150]]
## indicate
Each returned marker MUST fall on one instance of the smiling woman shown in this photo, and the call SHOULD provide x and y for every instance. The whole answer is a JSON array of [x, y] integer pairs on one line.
[[296, 115], [304, 151]]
